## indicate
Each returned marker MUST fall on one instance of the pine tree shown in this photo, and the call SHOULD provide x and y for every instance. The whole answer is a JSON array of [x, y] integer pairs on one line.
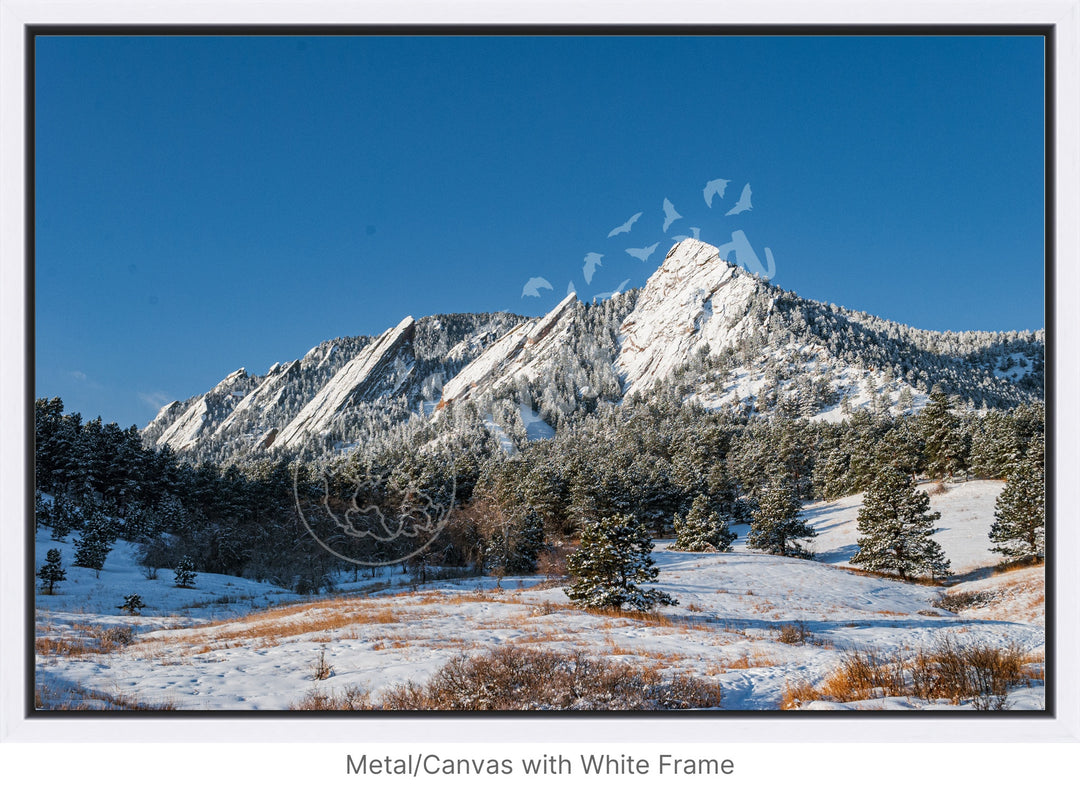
[[92, 546], [42, 510], [66, 516], [528, 545], [1019, 530], [184, 573], [133, 604], [943, 451], [702, 529], [776, 527], [51, 573], [613, 558], [895, 527], [832, 479]]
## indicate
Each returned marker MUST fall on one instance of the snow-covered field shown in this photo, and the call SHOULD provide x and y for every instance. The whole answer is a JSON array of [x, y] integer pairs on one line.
[[230, 643]]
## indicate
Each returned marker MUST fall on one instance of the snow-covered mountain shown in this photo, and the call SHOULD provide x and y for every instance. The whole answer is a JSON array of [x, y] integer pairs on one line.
[[701, 329], [378, 369], [694, 299]]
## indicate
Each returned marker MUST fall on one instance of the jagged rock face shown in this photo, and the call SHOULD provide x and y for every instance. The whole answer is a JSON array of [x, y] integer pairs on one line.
[[260, 402], [189, 422], [771, 349], [281, 409], [363, 377], [693, 299], [243, 406], [520, 353]]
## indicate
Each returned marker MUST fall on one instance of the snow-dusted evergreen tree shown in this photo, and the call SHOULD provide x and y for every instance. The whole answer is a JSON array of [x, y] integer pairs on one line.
[[514, 548], [995, 445], [613, 558], [66, 516], [895, 527], [776, 527], [899, 449], [702, 529], [943, 452], [92, 546], [1019, 530], [832, 477], [51, 573], [184, 573], [133, 604]]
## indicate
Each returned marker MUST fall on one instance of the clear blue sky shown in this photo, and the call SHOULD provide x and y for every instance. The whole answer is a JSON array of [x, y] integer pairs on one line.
[[206, 203]]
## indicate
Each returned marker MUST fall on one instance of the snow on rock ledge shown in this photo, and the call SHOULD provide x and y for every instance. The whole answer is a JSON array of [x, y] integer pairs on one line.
[[694, 298], [521, 352], [355, 378]]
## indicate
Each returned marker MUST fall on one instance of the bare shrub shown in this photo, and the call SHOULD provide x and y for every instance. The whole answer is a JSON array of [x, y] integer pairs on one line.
[[351, 698], [958, 601], [515, 679], [551, 563], [321, 670], [796, 633], [116, 636], [978, 672]]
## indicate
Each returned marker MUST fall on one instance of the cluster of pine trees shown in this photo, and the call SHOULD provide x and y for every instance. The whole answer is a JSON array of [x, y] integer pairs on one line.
[[656, 463]]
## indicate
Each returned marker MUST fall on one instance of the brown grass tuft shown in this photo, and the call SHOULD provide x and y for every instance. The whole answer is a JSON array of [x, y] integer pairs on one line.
[[798, 694], [948, 671]]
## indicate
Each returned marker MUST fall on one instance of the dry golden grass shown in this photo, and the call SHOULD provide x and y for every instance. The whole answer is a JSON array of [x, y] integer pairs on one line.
[[749, 660], [82, 639], [326, 619], [646, 618], [73, 647], [391, 642], [75, 698], [1035, 658], [948, 671], [798, 694], [459, 598], [615, 649]]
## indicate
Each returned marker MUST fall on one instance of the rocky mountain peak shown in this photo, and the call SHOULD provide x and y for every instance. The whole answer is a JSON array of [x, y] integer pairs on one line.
[[695, 298]]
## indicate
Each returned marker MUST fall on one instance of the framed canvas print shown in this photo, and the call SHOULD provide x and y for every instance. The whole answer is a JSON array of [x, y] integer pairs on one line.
[[529, 375]]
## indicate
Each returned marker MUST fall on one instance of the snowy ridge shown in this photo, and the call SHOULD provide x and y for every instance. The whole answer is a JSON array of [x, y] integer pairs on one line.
[[702, 329], [521, 352], [694, 298], [185, 429], [165, 412], [198, 416], [352, 381], [260, 400]]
